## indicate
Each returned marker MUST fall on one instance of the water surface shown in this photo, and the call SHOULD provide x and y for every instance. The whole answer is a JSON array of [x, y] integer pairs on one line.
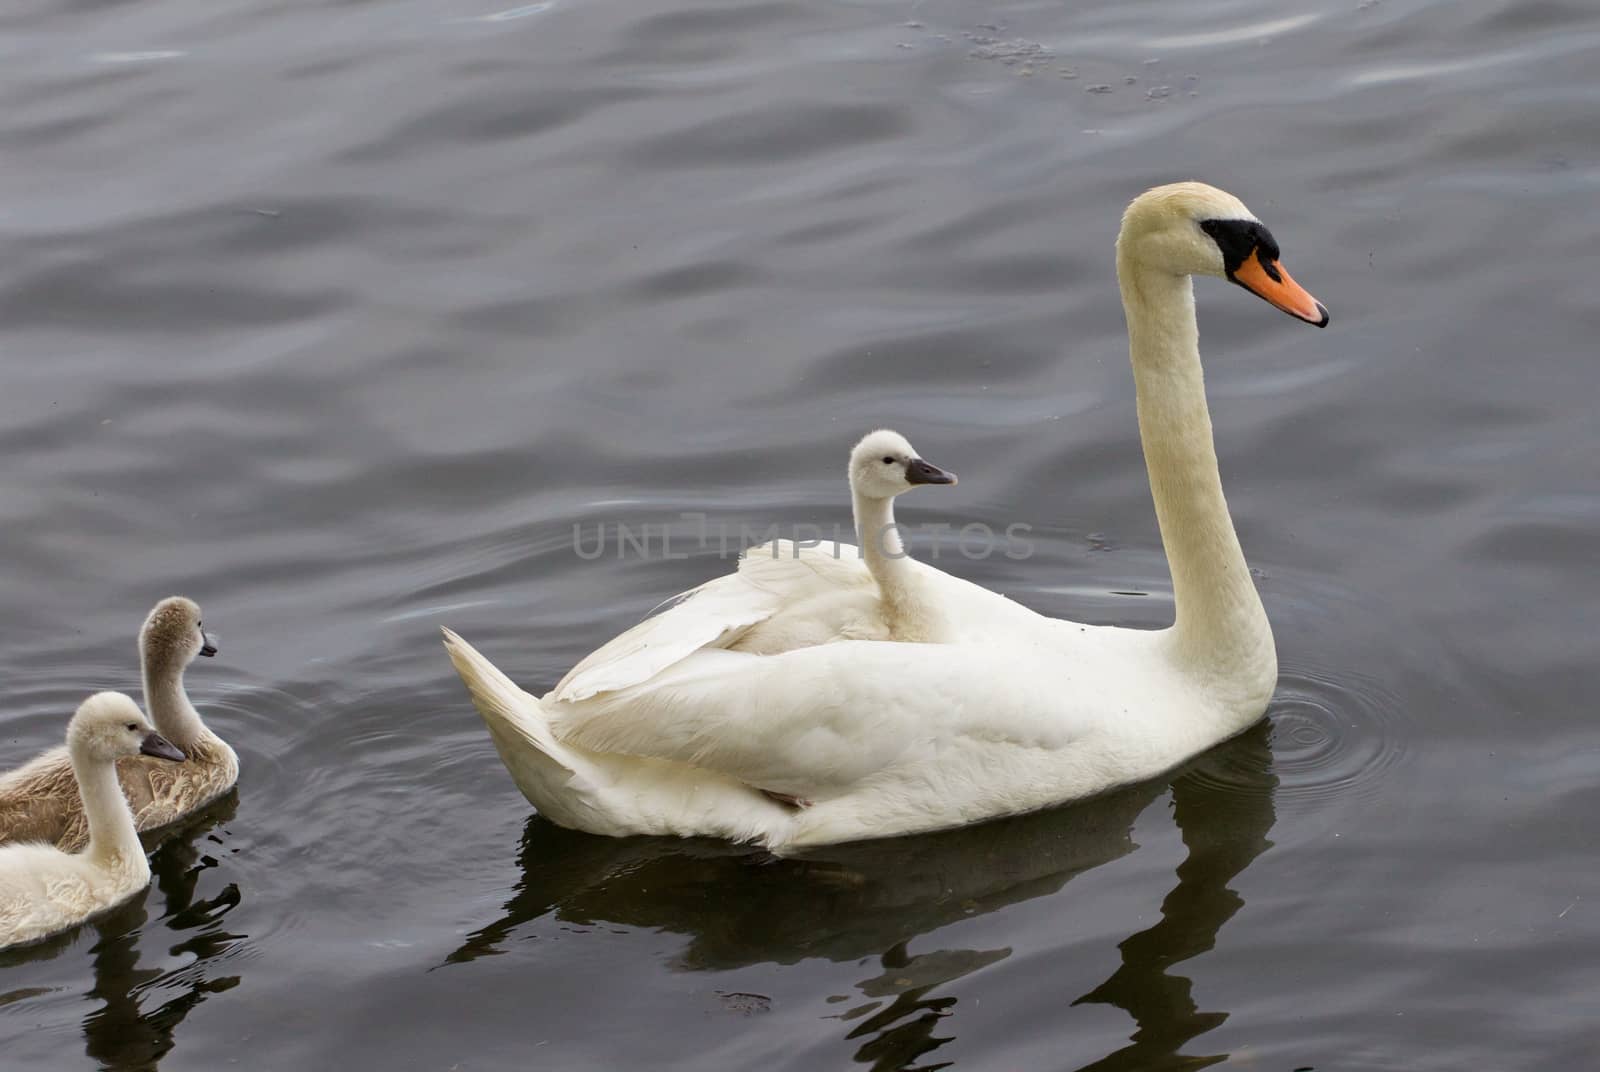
[[339, 317]]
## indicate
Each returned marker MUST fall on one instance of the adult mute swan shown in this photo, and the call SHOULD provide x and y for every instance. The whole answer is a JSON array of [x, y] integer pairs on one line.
[[39, 801], [44, 890], [1015, 712]]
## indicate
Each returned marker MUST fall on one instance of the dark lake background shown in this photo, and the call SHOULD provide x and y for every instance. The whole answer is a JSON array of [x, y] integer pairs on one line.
[[339, 318]]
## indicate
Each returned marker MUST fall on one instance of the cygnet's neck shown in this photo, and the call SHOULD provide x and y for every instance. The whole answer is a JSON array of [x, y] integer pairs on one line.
[[168, 703], [885, 556], [111, 829]]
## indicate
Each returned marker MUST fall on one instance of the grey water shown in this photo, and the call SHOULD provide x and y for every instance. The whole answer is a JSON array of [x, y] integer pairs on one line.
[[343, 318]]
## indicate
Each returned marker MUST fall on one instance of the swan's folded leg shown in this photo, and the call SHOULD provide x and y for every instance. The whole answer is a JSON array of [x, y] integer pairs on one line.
[[785, 798]]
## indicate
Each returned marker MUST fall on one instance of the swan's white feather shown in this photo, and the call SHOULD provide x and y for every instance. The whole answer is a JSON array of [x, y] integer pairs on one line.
[[877, 737], [776, 680], [784, 596], [813, 722], [713, 615], [44, 890]]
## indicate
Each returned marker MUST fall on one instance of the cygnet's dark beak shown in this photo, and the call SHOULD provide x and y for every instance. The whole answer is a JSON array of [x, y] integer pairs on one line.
[[207, 648], [156, 745], [920, 472]]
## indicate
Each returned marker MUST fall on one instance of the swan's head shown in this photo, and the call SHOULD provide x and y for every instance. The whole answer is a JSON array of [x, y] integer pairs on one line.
[[109, 725], [173, 635], [884, 464], [1189, 228]]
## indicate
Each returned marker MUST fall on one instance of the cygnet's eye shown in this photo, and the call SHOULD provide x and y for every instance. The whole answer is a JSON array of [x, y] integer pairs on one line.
[[887, 460], [133, 726]]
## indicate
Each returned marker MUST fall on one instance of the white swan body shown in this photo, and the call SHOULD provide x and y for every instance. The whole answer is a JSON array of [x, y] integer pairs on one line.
[[1012, 712], [39, 801], [44, 890]]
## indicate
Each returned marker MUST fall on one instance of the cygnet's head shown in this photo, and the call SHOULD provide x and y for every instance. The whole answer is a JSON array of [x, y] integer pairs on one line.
[[1189, 228], [109, 725], [884, 465], [173, 635]]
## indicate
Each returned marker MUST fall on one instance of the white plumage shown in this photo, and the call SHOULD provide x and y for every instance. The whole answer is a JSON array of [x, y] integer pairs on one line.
[[672, 729], [786, 595], [44, 890]]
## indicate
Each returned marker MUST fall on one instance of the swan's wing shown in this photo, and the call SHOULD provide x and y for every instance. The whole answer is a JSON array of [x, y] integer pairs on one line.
[[815, 721], [714, 615], [801, 571]]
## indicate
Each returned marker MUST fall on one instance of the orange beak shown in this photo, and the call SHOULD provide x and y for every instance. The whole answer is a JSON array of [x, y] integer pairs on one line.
[[1266, 279]]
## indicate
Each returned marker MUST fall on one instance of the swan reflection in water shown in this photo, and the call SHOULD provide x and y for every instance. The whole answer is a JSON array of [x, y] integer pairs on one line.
[[870, 899], [130, 1030]]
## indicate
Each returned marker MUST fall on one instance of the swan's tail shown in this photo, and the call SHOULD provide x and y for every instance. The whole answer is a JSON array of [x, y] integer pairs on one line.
[[556, 779], [606, 794]]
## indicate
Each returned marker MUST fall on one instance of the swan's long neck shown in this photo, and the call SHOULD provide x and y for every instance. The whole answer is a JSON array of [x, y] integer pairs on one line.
[[168, 702], [111, 829], [1221, 628]]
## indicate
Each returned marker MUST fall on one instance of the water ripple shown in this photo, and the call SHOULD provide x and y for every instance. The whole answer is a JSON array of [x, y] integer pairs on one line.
[[1333, 737], [1234, 35]]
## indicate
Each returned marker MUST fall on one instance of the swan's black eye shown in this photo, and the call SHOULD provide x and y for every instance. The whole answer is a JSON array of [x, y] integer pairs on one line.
[[133, 726], [888, 460]]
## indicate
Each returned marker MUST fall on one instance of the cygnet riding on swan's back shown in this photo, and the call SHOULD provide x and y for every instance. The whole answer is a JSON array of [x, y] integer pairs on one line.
[[39, 800], [883, 602], [44, 890], [1013, 712], [788, 595]]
